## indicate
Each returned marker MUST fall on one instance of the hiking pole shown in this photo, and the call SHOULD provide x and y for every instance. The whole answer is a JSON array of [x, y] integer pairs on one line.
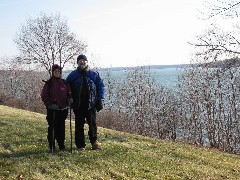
[[70, 116], [53, 125]]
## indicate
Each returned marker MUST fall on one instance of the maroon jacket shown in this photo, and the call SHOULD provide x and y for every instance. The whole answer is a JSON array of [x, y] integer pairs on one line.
[[56, 89]]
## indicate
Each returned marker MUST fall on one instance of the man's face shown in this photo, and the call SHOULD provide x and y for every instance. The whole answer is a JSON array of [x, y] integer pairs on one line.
[[82, 62]]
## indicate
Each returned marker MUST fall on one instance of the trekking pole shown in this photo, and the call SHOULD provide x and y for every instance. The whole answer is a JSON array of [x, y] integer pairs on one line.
[[53, 125], [70, 116]]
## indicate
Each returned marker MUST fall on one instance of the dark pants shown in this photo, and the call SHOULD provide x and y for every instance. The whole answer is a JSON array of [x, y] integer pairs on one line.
[[80, 117], [59, 127]]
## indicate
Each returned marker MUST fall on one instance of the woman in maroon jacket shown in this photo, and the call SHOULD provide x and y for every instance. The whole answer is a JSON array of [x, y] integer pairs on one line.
[[55, 95]]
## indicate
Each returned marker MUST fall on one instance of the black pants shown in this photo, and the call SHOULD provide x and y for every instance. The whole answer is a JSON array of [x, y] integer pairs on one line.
[[80, 117], [59, 127]]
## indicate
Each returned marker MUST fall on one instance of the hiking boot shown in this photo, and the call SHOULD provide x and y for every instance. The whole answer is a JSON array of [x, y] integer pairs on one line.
[[62, 148], [96, 146], [81, 149], [51, 151]]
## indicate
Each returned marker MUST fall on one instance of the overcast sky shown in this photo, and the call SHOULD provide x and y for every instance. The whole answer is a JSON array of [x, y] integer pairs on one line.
[[118, 32]]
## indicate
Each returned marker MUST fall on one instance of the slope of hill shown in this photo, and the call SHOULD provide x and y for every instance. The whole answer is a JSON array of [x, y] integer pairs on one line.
[[24, 154]]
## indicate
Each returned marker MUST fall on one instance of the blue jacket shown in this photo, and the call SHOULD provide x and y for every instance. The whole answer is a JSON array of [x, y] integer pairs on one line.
[[95, 85]]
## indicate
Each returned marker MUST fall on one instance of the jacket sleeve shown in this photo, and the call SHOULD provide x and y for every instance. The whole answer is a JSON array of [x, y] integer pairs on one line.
[[100, 87], [70, 77], [69, 82], [45, 95], [68, 88]]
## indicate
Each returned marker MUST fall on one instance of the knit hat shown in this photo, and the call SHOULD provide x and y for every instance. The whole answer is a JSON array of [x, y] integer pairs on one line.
[[81, 56], [56, 66]]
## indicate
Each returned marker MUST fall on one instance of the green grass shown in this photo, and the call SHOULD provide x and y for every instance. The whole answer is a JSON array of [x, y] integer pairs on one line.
[[24, 152]]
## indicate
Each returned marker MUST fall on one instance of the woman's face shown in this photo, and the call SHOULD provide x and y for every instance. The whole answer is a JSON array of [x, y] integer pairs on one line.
[[57, 73]]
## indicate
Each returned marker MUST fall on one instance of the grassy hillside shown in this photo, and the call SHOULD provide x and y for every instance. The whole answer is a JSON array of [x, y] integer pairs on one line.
[[24, 154]]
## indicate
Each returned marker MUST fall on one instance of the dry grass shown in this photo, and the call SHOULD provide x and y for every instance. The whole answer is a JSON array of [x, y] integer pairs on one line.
[[24, 154]]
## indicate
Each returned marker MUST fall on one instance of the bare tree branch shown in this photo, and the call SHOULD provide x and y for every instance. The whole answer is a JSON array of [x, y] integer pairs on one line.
[[226, 8], [47, 40]]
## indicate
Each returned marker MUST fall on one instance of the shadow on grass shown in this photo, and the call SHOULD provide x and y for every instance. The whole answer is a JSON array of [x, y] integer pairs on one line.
[[24, 153]]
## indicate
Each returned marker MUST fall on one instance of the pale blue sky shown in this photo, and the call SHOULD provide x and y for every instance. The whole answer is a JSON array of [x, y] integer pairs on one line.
[[118, 32]]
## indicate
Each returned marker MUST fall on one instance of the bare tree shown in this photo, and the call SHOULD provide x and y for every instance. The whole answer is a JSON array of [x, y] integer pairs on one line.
[[225, 8], [47, 40], [215, 44], [209, 90]]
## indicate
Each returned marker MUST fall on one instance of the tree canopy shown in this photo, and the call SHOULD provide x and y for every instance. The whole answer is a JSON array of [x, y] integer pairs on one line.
[[47, 40]]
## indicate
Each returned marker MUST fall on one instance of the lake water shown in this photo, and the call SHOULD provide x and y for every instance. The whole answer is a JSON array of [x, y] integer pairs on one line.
[[163, 76], [166, 76]]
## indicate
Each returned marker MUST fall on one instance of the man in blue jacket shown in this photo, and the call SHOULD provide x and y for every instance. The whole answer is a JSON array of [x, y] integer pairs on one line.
[[88, 93]]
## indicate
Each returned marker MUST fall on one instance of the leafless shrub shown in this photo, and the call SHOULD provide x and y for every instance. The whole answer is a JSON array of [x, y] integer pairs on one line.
[[142, 106], [20, 88], [113, 120], [210, 110]]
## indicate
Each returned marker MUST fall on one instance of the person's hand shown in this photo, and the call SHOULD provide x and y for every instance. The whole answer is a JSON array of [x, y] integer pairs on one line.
[[70, 100], [99, 105], [53, 106]]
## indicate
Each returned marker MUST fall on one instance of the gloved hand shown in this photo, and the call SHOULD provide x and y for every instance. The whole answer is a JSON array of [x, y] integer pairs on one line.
[[70, 100], [53, 106], [99, 105]]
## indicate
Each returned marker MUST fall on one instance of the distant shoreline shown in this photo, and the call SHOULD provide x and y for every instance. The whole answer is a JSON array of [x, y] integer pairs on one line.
[[151, 67]]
